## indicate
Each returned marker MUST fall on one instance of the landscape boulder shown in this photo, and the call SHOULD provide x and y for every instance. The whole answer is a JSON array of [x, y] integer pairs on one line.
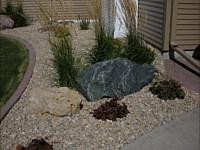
[[6, 22], [114, 78], [55, 101]]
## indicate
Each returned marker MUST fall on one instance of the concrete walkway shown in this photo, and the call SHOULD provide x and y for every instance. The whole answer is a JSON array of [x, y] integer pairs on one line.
[[182, 133], [179, 134]]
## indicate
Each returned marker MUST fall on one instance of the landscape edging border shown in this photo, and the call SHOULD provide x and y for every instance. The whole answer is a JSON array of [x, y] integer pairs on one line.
[[25, 81]]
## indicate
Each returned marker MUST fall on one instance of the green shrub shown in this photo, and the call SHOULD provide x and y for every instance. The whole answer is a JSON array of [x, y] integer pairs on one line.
[[136, 50], [84, 23], [61, 31], [17, 14], [64, 62], [105, 46], [167, 89], [117, 43]]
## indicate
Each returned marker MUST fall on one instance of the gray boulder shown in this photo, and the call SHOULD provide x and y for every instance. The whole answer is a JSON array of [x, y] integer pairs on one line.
[[114, 78], [6, 22]]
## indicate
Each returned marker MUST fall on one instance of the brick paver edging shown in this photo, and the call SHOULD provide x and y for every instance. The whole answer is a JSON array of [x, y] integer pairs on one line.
[[27, 76]]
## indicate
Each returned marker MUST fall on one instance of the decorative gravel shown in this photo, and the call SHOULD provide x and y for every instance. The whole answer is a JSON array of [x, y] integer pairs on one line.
[[83, 131]]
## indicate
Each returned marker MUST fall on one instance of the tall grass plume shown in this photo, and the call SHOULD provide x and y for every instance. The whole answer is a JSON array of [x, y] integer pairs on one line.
[[63, 62], [135, 48], [104, 47]]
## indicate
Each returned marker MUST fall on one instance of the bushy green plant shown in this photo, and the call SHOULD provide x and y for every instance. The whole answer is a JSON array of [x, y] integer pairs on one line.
[[17, 14], [167, 89], [84, 23], [136, 50], [64, 62], [117, 43], [61, 31], [9, 8], [105, 47]]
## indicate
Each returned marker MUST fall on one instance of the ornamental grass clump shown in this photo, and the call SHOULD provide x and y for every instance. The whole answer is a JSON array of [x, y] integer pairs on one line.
[[104, 47], [49, 14], [167, 89], [110, 110], [84, 23], [61, 31], [64, 62], [17, 14], [135, 49]]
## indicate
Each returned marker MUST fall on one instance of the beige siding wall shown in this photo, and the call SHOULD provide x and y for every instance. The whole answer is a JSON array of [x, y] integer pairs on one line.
[[186, 23], [171, 20], [77, 7], [152, 29]]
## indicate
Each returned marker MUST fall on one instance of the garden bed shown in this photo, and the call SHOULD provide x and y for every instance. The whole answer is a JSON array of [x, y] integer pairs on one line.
[[83, 131]]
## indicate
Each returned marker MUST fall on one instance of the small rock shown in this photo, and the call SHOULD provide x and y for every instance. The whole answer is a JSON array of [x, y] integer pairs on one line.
[[56, 101], [6, 22]]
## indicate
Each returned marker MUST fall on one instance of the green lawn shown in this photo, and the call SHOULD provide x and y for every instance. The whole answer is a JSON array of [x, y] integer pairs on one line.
[[13, 64]]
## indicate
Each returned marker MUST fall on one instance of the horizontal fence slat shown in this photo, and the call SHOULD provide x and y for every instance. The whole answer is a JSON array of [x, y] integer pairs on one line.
[[188, 37], [185, 27], [189, 1], [144, 13], [153, 42], [159, 1], [187, 42], [150, 27], [188, 17], [154, 19], [189, 11], [154, 4], [186, 32], [156, 24], [155, 34], [153, 9], [150, 36], [188, 22], [188, 6], [188, 47]]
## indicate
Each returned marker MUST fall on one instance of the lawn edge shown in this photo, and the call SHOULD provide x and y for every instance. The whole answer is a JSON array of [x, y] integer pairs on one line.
[[25, 81]]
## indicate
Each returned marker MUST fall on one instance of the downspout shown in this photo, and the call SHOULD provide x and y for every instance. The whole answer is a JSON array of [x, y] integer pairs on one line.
[[174, 46]]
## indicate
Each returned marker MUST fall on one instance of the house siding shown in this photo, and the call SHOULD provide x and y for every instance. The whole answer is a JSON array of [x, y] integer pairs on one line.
[[170, 20], [79, 7], [186, 23], [151, 25]]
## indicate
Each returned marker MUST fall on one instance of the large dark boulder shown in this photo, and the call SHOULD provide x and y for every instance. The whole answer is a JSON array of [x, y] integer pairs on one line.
[[6, 22], [114, 78]]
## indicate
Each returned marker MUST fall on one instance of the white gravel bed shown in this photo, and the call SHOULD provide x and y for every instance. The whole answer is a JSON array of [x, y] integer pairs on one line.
[[83, 131]]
